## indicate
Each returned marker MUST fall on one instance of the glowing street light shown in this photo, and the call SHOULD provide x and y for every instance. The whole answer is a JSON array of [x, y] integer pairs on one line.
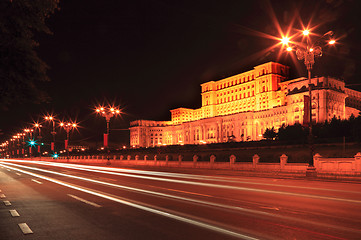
[[332, 41], [285, 40], [51, 119], [308, 52], [38, 127], [107, 113], [306, 32], [67, 127]]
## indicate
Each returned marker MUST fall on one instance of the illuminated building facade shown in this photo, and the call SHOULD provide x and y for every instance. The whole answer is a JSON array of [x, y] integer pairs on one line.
[[242, 107]]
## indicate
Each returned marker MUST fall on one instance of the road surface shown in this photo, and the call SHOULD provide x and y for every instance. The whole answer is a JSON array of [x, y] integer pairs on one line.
[[57, 201]]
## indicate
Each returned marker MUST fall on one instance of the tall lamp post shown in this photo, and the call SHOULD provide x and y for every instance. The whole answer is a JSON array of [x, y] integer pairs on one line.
[[308, 51], [52, 120], [67, 127], [29, 132], [22, 135], [107, 113], [38, 127], [17, 144]]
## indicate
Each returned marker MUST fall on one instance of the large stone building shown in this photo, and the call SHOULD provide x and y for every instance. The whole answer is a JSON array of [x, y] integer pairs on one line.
[[242, 107]]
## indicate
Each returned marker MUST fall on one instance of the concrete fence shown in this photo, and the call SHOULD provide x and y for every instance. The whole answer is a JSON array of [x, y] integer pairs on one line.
[[322, 164]]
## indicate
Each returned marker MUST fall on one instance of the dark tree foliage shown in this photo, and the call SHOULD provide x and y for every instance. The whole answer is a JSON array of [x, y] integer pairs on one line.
[[270, 133], [21, 70], [322, 132], [336, 128], [293, 133]]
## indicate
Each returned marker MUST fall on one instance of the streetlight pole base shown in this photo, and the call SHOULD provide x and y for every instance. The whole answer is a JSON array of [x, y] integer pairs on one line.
[[311, 172]]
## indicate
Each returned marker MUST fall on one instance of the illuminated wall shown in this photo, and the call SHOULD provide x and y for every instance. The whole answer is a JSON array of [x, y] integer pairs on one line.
[[241, 107]]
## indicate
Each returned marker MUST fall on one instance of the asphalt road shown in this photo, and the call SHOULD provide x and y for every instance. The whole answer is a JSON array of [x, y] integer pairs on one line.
[[44, 200]]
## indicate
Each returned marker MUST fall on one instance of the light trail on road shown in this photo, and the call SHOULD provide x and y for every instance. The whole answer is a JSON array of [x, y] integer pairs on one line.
[[212, 185], [270, 212], [142, 206], [176, 175], [201, 202]]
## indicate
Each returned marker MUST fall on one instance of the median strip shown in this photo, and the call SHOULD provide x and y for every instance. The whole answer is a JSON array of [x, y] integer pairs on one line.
[[25, 228]]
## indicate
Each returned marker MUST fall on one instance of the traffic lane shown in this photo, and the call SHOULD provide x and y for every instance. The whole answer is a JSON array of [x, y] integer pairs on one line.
[[316, 207], [140, 222], [329, 222], [315, 188], [266, 188]]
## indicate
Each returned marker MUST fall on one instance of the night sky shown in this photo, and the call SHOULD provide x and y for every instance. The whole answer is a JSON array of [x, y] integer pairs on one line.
[[150, 56]]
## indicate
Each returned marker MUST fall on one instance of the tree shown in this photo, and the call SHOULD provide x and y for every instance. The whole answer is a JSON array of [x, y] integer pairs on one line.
[[21, 70], [292, 133], [270, 133]]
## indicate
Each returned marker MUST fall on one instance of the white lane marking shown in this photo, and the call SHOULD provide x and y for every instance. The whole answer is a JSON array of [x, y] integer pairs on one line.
[[38, 182], [2, 196], [8, 170], [14, 213], [19, 174], [84, 201], [7, 203], [25, 228]]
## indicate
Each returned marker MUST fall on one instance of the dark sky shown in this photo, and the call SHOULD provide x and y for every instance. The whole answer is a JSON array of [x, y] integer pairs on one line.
[[149, 56]]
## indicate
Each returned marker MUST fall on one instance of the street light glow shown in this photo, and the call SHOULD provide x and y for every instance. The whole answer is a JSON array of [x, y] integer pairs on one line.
[[289, 49], [331, 42], [285, 40], [306, 32]]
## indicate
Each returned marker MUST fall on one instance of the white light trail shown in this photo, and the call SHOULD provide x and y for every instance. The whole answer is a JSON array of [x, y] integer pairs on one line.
[[201, 184], [101, 169], [196, 201], [85, 201], [148, 208], [36, 181]]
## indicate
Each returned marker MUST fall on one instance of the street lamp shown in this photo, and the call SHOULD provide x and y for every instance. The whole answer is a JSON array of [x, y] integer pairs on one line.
[[22, 135], [67, 127], [29, 133], [107, 113], [16, 144], [308, 52], [38, 127], [52, 120]]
